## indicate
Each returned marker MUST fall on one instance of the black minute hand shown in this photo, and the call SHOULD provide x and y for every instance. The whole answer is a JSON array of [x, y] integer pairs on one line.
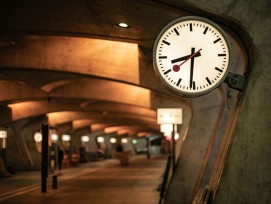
[[183, 58], [192, 67]]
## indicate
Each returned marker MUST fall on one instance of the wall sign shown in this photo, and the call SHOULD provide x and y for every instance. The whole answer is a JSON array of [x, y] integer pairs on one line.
[[169, 116]]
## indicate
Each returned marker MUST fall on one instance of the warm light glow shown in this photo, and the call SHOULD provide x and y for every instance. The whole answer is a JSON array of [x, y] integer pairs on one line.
[[142, 134], [3, 134], [166, 128], [130, 129], [54, 137], [97, 127], [64, 117], [124, 140], [100, 139], [66, 137], [38, 137], [26, 109], [125, 131], [114, 129], [85, 138], [113, 140], [81, 123]]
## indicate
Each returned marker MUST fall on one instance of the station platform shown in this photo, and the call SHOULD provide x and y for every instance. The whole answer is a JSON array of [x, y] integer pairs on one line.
[[103, 182]]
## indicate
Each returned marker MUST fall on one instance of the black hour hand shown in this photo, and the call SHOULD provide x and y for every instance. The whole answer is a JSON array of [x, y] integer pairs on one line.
[[184, 58]]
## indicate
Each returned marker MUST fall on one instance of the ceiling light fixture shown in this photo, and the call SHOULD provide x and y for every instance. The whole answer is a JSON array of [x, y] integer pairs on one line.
[[122, 25]]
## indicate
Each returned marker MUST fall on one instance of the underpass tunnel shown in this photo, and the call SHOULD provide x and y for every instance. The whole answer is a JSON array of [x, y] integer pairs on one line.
[[94, 84]]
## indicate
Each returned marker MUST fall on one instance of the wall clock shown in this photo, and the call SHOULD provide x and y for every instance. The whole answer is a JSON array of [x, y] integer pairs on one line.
[[191, 56]]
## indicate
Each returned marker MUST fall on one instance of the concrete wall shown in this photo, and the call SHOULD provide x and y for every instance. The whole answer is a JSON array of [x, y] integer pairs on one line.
[[22, 153], [246, 176], [194, 150]]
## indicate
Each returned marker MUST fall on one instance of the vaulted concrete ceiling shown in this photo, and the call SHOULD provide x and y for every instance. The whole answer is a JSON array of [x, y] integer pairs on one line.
[[60, 58]]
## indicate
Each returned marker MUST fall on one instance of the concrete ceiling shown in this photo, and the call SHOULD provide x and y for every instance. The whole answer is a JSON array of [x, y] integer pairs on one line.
[[69, 60]]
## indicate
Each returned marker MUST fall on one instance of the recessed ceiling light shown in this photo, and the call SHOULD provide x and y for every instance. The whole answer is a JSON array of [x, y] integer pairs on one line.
[[122, 25]]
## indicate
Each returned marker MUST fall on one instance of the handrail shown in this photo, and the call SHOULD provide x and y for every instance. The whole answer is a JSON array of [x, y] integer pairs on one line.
[[225, 146], [165, 179]]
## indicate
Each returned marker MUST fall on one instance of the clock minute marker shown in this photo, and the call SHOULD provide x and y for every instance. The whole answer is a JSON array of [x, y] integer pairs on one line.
[[179, 81], [176, 31], [208, 80], [166, 72], [217, 40], [162, 57], [166, 42], [220, 70], [205, 31]]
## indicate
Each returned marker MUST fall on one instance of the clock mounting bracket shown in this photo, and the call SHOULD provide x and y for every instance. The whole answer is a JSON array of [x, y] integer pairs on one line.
[[235, 81]]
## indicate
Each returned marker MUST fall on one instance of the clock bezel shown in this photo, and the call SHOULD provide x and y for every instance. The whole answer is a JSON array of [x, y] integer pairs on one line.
[[161, 77]]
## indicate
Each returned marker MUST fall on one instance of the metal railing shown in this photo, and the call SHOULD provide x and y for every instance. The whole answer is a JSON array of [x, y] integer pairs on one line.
[[165, 179]]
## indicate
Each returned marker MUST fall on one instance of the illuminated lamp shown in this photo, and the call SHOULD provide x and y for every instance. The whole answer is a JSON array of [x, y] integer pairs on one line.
[[100, 139], [3, 133], [54, 137], [85, 138], [38, 137], [134, 141], [176, 136], [124, 140], [66, 138], [113, 140], [122, 25]]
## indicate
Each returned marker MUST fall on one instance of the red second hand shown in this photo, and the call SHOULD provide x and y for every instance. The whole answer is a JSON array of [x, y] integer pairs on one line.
[[190, 57], [176, 67]]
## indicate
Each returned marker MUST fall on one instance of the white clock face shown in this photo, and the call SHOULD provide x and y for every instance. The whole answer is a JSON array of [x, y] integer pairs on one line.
[[191, 56]]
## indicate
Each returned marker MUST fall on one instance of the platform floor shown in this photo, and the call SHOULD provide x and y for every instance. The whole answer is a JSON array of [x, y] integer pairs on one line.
[[104, 182]]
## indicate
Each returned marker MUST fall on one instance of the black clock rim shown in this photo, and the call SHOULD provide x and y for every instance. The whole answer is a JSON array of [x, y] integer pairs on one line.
[[160, 77]]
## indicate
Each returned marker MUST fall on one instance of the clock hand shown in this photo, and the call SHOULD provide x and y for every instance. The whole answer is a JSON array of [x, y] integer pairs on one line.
[[184, 58], [176, 67], [191, 56], [191, 66]]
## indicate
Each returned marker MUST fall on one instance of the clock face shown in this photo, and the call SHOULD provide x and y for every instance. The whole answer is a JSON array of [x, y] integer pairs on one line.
[[191, 56]]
